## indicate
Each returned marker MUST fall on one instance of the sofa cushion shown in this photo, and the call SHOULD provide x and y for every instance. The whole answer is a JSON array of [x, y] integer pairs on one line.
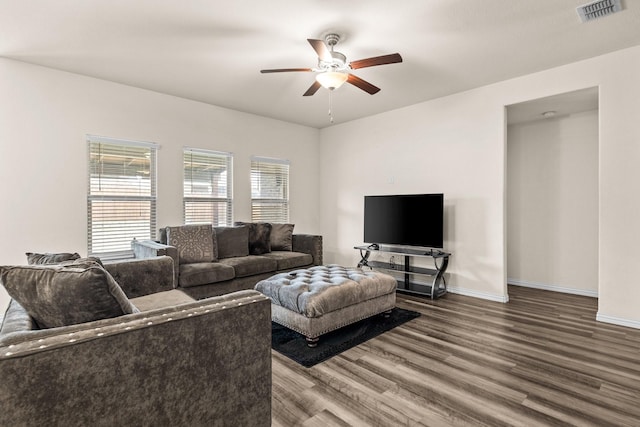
[[61, 295], [281, 237], [202, 273], [162, 299], [259, 235], [195, 243], [251, 265], [287, 260], [50, 258], [232, 241]]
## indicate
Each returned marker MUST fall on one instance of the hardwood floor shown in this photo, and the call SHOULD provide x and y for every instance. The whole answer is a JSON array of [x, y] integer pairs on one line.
[[539, 360]]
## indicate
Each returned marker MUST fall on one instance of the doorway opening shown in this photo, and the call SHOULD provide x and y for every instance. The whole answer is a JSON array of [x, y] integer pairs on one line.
[[552, 196]]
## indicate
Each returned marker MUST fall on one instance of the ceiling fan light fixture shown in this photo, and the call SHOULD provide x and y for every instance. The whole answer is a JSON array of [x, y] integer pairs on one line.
[[331, 79]]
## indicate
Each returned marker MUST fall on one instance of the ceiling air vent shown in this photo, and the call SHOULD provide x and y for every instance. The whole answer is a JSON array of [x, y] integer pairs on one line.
[[598, 9]]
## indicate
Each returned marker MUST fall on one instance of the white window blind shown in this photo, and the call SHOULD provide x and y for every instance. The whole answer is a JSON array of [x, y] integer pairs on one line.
[[269, 190], [121, 200], [207, 187]]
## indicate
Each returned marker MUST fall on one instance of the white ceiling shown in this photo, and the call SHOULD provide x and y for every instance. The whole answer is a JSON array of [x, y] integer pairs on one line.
[[560, 105], [212, 51]]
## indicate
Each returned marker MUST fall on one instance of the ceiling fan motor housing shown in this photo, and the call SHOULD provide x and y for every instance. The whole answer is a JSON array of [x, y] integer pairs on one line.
[[338, 62]]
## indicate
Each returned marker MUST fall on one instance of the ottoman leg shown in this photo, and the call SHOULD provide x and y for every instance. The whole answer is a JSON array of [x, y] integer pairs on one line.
[[386, 314], [312, 342]]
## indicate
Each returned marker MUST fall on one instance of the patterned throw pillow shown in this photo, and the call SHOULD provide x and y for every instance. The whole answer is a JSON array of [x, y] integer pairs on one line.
[[62, 295], [281, 237], [48, 258], [195, 243], [259, 235]]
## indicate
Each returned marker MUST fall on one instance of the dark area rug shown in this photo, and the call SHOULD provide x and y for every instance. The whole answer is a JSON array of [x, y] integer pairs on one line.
[[294, 346]]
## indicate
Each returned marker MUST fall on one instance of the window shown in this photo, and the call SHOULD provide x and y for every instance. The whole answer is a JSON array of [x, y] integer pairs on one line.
[[207, 187], [269, 190], [121, 200]]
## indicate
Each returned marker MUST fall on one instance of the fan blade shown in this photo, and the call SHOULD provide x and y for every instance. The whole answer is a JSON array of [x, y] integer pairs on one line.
[[362, 84], [285, 70], [313, 89], [376, 60], [321, 49]]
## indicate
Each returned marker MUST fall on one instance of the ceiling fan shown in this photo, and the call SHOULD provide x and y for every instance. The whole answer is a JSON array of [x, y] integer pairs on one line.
[[333, 68]]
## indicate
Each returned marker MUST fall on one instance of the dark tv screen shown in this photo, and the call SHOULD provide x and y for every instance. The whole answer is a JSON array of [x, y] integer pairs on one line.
[[410, 219]]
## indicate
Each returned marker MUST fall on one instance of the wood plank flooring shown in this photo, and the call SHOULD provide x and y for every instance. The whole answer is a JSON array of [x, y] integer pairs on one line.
[[539, 360]]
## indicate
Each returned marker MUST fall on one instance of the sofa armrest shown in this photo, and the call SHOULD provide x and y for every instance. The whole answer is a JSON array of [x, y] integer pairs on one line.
[[309, 244], [139, 277], [150, 249], [207, 360]]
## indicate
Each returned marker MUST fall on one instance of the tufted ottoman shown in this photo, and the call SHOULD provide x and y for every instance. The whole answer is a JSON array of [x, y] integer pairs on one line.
[[320, 299]]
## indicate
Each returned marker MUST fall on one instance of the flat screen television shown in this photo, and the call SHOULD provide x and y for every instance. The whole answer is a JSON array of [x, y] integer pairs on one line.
[[406, 219]]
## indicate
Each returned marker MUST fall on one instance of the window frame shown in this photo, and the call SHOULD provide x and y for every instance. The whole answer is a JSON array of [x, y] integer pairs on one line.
[[281, 170], [97, 239], [228, 200]]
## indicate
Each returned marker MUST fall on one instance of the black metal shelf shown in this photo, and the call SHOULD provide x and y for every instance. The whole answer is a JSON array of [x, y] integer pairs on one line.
[[403, 250], [419, 289], [401, 268], [438, 285]]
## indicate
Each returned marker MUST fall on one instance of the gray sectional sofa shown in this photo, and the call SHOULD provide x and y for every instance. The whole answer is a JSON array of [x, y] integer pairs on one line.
[[171, 361], [213, 261]]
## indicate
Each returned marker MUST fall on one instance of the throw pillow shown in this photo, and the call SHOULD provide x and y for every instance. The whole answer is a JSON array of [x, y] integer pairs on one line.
[[91, 260], [195, 243], [281, 237], [232, 241], [61, 295], [259, 235], [50, 258]]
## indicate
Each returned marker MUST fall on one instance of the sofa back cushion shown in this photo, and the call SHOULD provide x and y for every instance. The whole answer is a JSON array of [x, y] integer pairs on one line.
[[62, 295], [195, 243], [259, 237], [281, 237], [232, 241], [162, 235]]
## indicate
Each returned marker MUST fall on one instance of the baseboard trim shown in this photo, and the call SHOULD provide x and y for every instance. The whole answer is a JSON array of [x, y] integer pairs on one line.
[[554, 288], [476, 294], [617, 321]]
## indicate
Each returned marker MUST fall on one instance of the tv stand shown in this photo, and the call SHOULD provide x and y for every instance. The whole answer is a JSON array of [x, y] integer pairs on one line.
[[438, 286]]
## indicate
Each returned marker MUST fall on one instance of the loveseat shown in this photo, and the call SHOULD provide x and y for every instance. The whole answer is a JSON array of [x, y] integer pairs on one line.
[[171, 361], [213, 261]]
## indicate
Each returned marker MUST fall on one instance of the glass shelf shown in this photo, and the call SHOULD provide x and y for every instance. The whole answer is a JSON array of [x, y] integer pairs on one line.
[[438, 286]]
